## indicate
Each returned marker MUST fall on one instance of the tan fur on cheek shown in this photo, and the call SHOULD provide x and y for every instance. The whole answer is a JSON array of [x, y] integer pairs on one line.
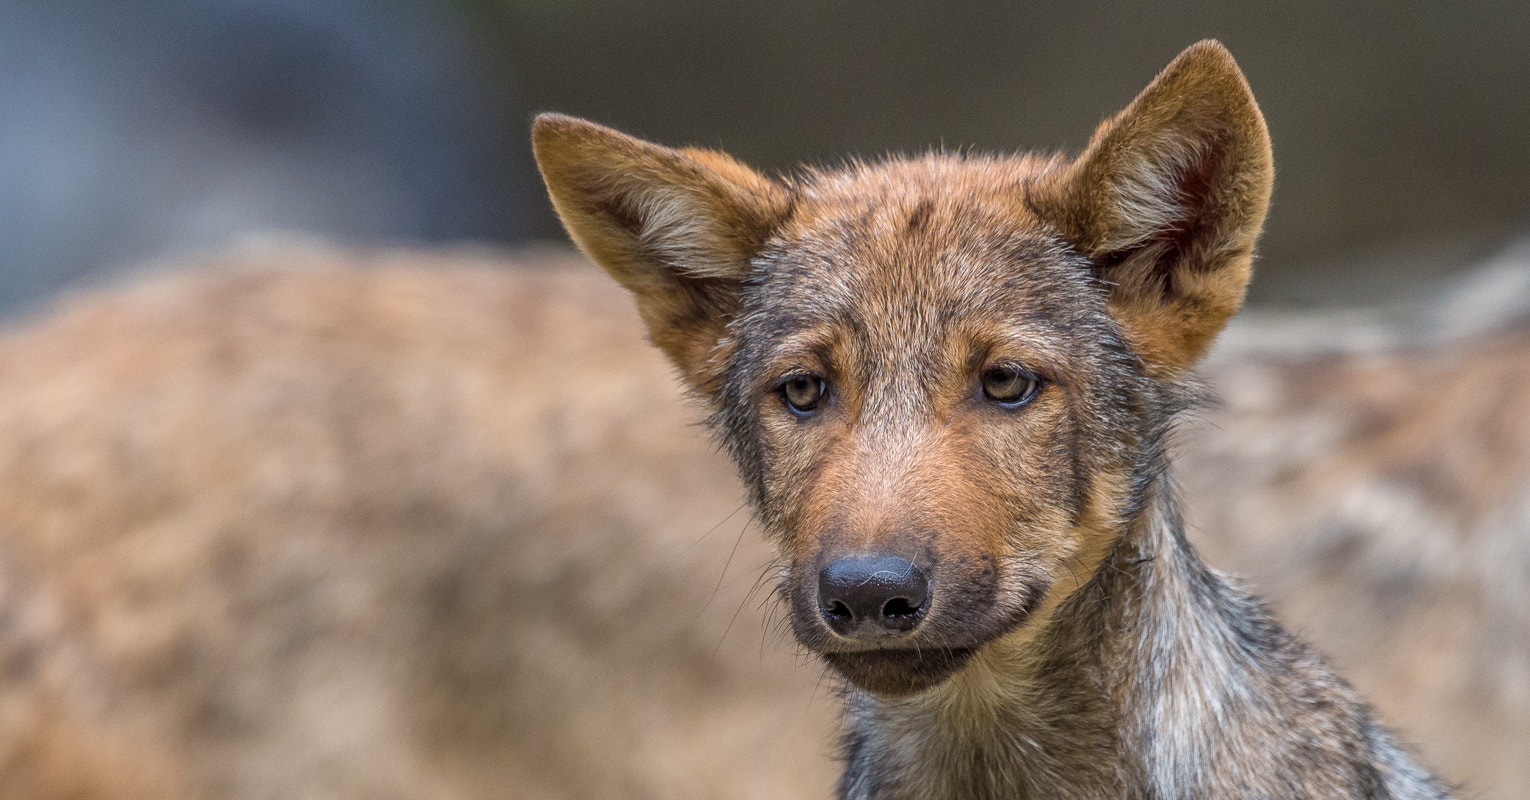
[[808, 463], [1082, 550]]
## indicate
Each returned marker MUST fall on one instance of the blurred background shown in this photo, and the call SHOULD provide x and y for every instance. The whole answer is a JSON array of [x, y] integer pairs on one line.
[[133, 130]]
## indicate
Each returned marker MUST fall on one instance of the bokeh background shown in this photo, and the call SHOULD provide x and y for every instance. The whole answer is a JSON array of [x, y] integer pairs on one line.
[[134, 130]]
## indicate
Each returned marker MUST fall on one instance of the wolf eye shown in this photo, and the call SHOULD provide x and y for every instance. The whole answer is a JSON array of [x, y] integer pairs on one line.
[[803, 393], [1010, 386]]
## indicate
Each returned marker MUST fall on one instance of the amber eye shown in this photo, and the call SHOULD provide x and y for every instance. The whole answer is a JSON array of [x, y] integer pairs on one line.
[[803, 393], [1009, 385]]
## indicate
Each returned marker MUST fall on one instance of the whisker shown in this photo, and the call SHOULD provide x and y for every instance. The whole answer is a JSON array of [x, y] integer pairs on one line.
[[714, 528], [823, 674], [741, 602], [727, 563]]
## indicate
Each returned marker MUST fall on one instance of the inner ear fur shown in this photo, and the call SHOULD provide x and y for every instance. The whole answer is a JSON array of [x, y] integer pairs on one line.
[[676, 227], [1167, 201]]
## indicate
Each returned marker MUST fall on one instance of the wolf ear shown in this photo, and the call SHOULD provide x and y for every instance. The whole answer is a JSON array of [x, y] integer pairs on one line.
[[676, 227], [1167, 201]]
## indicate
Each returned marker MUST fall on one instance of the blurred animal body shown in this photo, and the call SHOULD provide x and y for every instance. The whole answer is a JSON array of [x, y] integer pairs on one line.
[[315, 525], [948, 384]]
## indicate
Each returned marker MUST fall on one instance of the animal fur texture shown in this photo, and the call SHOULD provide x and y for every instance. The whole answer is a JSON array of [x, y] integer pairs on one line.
[[1036, 622]]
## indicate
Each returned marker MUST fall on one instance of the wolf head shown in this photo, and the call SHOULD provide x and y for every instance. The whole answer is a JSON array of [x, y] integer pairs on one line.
[[944, 379]]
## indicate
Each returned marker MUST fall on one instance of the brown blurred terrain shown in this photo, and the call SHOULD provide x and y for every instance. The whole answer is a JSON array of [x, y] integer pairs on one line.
[[303, 522]]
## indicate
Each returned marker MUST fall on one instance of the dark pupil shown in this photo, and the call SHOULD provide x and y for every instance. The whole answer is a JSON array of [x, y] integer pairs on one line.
[[804, 392], [1005, 384]]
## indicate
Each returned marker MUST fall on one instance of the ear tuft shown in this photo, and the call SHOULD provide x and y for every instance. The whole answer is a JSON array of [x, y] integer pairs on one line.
[[1167, 201], [678, 228]]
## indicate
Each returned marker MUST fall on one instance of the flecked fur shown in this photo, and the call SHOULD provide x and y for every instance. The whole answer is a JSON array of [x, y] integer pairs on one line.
[[1076, 646]]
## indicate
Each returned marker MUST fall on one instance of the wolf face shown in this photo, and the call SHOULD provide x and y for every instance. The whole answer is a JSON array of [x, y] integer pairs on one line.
[[944, 379]]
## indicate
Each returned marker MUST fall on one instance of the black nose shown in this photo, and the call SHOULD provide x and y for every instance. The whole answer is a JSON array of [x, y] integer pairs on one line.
[[867, 597]]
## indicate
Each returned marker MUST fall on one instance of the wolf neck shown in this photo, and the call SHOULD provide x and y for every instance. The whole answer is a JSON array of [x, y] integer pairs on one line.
[[1122, 689]]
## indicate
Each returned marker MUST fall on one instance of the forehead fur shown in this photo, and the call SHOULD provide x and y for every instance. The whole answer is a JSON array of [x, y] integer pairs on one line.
[[905, 249], [922, 198]]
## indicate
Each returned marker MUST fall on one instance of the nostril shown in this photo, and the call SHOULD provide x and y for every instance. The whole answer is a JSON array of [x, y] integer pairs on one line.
[[838, 611], [899, 607], [898, 614]]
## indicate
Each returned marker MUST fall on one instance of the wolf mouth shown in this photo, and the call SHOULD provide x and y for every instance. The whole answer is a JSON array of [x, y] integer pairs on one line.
[[899, 672]]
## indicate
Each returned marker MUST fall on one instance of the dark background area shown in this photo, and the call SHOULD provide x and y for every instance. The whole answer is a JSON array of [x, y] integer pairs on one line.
[[132, 130]]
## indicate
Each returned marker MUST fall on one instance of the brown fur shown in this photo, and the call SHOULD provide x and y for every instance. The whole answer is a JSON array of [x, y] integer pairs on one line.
[[1183, 173], [1197, 118], [1066, 639]]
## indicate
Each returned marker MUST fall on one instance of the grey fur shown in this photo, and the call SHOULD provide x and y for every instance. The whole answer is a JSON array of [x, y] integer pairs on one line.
[[1072, 644], [1160, 679]]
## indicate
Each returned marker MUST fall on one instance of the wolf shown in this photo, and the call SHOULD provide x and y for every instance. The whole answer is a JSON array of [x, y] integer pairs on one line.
[[949, 384]]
